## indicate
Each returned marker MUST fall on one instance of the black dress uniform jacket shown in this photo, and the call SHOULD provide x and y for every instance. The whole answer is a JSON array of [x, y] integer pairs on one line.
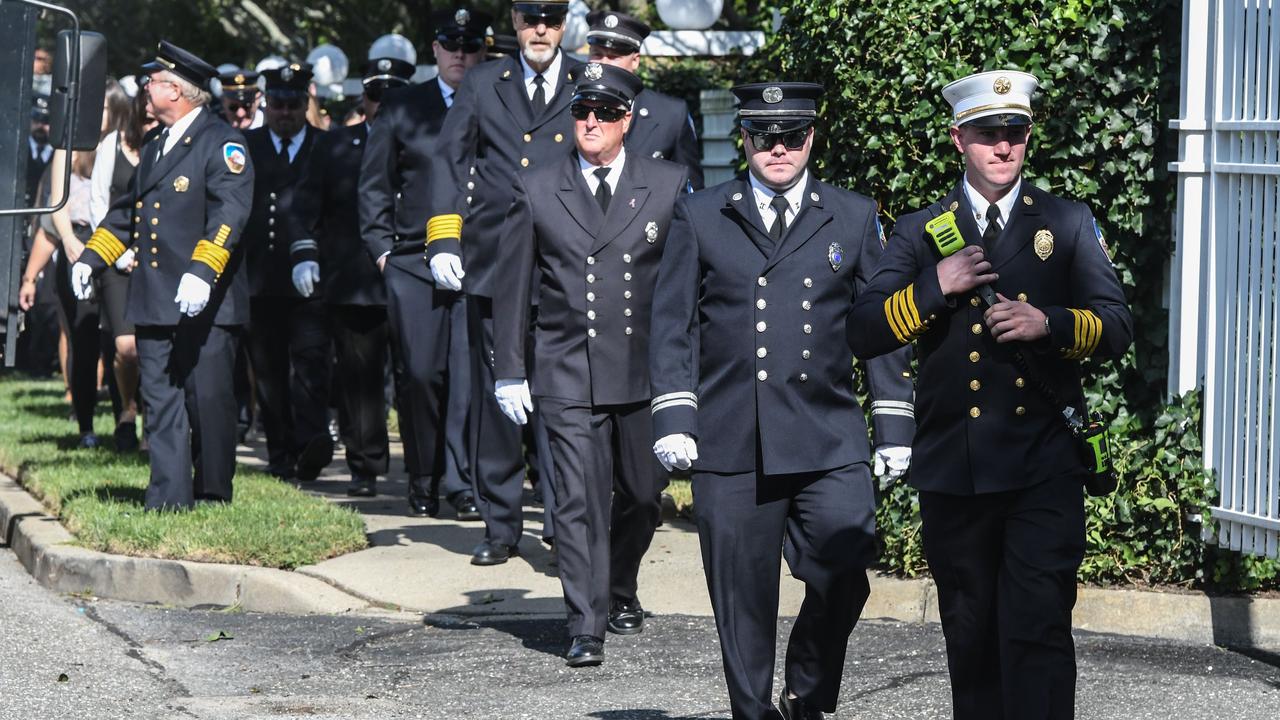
[[325, 212], [183, 214], [396, 175], [983, 427], [489, 135], [742, 352], [596, 271], [268, 233], [661, 128]]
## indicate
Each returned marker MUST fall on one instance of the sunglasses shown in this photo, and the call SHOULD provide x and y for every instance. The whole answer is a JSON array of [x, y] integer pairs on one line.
[[604, 114], [235, 107], [551, 21], [276, 103], [466, 46], [793, 140]]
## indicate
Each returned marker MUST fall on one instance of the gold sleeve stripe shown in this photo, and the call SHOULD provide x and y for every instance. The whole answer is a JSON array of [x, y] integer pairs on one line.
[[444, 227], [211, 255], [903, 315], [220, 239], [106, 245], [1087, 330]]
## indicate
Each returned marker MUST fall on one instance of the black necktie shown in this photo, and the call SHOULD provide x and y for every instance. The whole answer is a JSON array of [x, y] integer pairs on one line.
[[284, 149], [539, 94], [161, 141], [780, 205], [603, 193], [993, 227]]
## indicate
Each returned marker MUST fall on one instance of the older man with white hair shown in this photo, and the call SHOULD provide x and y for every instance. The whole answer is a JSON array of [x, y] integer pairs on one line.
[[182, 217]]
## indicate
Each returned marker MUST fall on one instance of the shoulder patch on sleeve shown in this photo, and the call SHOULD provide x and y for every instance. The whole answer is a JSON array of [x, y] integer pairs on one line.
[[1102, 242], [235, 156]]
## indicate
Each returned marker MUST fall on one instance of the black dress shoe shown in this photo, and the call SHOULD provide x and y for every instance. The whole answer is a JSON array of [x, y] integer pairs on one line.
[[626, 617], [492, 553], [314, 457], [796, 708], [585, 651], [465, 506], [423, 505], [363, 487], [280, 472]]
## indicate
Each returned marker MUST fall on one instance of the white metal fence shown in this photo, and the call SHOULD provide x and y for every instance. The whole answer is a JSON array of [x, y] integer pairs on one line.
[[1225, 310]]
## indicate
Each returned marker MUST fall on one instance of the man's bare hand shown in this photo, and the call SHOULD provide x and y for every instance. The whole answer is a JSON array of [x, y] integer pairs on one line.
[[1012, 320], [964, 271]]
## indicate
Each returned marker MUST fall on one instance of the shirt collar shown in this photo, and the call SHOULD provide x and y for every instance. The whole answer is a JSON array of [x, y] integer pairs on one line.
[[615, 167], [177, 129], [794, 195], [445, 91], [979, 203], [293, 141], [551, 74]]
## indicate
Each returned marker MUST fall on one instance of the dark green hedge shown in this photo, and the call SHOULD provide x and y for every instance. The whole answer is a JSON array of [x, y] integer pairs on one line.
[[1109, 73]]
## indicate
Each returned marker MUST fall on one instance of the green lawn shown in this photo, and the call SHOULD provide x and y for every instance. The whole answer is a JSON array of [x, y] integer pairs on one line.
[[98, 495]]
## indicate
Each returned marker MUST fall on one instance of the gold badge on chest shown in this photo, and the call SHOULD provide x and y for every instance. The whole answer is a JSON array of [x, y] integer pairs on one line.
[[181, 183], [1044, 244]]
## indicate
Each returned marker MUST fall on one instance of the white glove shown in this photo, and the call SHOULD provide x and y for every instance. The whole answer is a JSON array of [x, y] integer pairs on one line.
[[82, 281], [676, 452], [125, 261], [446, 269], [305, 276], [193, 295], [891, 462], [514, 399]]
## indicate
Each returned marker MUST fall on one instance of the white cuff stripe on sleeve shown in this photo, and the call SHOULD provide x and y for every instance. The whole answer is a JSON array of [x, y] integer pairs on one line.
[[299, 245]]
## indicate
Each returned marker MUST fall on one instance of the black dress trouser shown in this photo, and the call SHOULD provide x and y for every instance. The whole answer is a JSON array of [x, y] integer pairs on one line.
[[291, 353], [825, 524], [1005, 565], [606, 504], [360, 339], [84, 346], [190, 413], [432, 369]]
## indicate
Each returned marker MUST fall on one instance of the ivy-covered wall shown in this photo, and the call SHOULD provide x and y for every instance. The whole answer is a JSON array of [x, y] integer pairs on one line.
[[1109, 72]]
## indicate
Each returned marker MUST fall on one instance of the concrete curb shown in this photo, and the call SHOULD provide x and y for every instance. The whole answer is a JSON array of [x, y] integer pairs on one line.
[[43, 547]]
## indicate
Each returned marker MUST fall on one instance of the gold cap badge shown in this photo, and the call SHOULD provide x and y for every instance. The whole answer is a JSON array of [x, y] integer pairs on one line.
[[1002, 85]]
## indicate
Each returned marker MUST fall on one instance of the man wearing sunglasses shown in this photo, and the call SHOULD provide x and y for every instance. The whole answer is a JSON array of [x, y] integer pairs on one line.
[[1002, 324], [240, 99], [593, 226], [428, 322], [324, 216], [753, 389], [288, 337], [661, 127], [509, 114]]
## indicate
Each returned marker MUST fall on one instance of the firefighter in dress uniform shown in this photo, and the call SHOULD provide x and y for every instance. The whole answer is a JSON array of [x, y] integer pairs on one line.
[[753, 388], [1000, 327], [188, 297]]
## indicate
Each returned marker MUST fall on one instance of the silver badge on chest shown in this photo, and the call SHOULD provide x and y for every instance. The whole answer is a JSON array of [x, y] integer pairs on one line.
[[835, 256], [651, 232]]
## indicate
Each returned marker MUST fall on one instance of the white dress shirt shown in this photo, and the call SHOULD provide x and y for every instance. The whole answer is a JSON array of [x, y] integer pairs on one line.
[[44, 153], [551, 75], [764, 199], [446, 91], [295, 142], [104, 166], [177, 129], [615, 172], [980, 204]]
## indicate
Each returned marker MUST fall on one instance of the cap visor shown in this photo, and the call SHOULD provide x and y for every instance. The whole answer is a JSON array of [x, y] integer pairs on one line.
[[775, 124]]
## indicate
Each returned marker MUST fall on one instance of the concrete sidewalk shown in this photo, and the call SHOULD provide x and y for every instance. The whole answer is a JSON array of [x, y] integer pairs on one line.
[[422, 565]]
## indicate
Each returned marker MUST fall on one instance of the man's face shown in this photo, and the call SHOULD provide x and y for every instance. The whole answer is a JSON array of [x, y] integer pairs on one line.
[[597, 135], [286, 114], [993, 156], [39, 131], [239, 109], [539, 36], [609, 56], [163, 95], [369, 105], [42, 63], [777, 165], [455, 56]]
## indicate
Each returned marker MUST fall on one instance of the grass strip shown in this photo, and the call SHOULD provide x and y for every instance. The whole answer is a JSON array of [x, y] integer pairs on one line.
[[98, 495]]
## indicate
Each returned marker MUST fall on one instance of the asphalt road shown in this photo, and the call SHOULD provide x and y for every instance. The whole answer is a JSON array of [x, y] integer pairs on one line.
[[82, 658]]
